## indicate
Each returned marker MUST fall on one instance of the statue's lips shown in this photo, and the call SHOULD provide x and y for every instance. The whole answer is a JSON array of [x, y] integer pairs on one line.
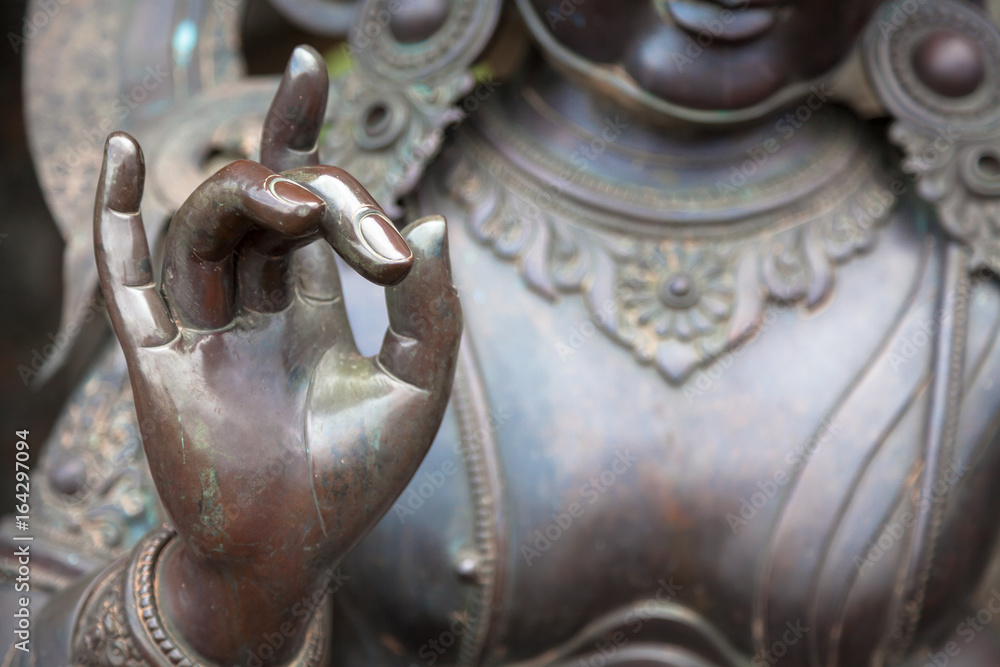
[[730, 25]]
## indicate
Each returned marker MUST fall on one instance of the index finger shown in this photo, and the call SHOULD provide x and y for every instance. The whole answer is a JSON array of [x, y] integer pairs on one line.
[[198, 275], [356, 226]]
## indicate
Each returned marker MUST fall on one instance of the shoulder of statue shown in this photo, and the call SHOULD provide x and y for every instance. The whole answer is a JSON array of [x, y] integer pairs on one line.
[[933, 66]]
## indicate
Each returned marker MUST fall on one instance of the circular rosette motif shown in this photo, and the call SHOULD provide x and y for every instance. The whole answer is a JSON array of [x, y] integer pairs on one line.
[[676, 303], [936, 70]]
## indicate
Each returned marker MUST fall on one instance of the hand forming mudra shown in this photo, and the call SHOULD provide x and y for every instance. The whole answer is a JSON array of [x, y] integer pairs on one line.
[[244, 363]]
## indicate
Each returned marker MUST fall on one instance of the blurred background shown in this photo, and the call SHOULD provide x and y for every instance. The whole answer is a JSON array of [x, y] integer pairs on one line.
[[30, 270], [31, 247]]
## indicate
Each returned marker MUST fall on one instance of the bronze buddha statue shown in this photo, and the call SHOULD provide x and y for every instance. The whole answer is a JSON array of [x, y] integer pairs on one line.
[[718, 385]]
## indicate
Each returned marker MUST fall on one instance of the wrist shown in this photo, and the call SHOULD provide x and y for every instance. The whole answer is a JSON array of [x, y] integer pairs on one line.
[[129, 611], [239, 617]]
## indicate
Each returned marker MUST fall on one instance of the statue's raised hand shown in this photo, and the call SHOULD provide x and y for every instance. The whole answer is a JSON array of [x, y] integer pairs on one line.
[[274, 444]]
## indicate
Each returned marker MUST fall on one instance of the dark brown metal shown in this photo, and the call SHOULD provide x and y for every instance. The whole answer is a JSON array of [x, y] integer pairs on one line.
[[727, 387], [347, 432], [951, 64]]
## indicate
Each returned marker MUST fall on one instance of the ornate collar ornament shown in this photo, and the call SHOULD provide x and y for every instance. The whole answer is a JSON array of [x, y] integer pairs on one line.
[[677, 275]]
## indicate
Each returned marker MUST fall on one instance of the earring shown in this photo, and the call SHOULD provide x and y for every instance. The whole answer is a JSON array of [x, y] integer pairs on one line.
[[935, 65]]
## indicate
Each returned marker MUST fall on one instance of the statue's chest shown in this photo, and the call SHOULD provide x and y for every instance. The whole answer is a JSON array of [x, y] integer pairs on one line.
[[619, 482], [598, 494]]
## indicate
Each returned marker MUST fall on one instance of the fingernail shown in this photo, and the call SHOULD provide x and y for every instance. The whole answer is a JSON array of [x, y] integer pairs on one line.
[[292, 193], [381, 236], [304, 60], [123, 177]]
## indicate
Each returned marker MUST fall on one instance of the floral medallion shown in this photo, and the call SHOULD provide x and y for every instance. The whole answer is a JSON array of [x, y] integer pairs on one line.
[[677, 302]]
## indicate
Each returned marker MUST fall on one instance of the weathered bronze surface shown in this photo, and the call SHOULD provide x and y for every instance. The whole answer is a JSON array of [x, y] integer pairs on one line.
[[728, 381]]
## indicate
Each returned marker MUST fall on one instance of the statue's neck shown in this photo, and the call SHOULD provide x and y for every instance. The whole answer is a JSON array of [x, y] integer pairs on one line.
[[599, 153], [584, 109]]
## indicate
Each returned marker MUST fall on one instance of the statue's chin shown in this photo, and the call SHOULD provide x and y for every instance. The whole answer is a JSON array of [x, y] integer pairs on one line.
[[743, 72], [724, 77]]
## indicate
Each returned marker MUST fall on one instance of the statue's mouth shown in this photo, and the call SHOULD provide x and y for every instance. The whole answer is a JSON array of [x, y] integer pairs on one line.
[[725, 20]]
